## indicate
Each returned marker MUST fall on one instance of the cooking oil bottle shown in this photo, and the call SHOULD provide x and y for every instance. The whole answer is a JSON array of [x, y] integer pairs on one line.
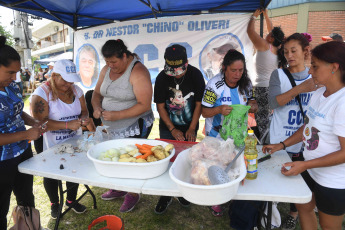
[[251, 156]]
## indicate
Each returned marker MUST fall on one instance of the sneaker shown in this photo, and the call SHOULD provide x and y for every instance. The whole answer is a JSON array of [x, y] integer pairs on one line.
[[112, 194], [76, 207], [54, 210], [129, 203], [217, 210], [162, 205], [289, 223], [185, 203]]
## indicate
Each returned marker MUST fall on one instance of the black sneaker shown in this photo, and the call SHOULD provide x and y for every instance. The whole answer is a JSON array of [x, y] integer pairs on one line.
[[185, 203], [54, 210], [289, 223], [162, 205], [76, 207]]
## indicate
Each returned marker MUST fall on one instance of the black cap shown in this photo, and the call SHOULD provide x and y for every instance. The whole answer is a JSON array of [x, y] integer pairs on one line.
[[175, 60]]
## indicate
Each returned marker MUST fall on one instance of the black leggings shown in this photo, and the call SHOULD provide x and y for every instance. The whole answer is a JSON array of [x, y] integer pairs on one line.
[[51, 185], [12, 180]]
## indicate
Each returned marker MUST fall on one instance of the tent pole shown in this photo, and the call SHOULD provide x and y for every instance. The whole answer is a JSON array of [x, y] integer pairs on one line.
[[262, 6]]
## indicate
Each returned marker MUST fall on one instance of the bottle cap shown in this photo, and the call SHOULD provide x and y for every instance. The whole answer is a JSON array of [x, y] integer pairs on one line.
[[250, 132]]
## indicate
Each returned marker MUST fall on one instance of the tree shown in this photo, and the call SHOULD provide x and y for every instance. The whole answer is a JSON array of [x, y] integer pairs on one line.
[[8, 35]]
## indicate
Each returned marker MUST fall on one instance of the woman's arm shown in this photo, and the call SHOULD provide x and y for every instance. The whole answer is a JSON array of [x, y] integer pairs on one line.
[[211, 112], [142, 88], [253, 106], [40, 111], [97, 98], [331, 159], [306, 86], [269, 24], [260, 43], [292, 140], [84, 116]]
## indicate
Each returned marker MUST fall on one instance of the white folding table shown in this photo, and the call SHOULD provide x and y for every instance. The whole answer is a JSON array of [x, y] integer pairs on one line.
[[270, 185]]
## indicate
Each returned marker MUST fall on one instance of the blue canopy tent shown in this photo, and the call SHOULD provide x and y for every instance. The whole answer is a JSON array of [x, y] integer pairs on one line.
[[85, 13]]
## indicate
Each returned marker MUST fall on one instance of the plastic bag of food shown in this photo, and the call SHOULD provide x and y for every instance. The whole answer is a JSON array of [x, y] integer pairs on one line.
[[89, 139], [235, 125], [211, 151]]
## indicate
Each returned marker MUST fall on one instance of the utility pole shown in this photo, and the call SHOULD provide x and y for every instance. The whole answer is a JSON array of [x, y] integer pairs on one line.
[[23, 39]]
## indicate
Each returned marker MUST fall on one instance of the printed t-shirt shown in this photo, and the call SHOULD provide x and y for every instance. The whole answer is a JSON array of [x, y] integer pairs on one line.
[[60, 111], [11, 110], [324, 124], [179, 103], [218, 93]]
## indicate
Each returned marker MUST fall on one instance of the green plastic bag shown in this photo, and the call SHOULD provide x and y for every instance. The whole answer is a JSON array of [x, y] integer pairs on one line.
[[235, 125]]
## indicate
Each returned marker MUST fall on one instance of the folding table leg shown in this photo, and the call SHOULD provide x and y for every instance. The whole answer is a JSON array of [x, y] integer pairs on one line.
[[93, 196], [269, 215], [60, 205]]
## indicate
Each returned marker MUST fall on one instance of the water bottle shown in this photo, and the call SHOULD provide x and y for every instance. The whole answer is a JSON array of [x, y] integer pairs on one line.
[[251, 156]]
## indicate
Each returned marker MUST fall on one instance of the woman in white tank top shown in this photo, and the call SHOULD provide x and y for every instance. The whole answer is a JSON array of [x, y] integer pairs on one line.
[[63, 105]]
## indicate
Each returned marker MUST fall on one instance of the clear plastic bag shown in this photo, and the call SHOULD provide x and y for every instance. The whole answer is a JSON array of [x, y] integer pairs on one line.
[[211, 151], [89, 139]]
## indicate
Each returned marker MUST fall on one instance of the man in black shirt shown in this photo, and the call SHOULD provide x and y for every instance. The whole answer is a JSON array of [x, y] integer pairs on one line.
[[178, 93]]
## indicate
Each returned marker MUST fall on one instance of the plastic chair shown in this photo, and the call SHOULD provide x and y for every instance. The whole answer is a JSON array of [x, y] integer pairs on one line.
[[113, 222]]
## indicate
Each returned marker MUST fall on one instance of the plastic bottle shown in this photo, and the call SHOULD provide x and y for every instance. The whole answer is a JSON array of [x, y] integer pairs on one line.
[[251, 155]]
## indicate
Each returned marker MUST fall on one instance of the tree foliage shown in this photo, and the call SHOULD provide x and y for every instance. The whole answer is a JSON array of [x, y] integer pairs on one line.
[[8, 35]]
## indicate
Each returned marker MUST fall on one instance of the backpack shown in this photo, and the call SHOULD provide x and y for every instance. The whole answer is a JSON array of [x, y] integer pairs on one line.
[[26, 218]]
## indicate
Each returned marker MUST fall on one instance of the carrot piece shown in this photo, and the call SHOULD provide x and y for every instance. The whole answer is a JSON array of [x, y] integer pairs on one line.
[[146, 155], [148, 146]]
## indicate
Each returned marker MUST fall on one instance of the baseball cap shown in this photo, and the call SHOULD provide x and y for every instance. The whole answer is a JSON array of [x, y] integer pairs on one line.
[[51, 63], [67, 70], [175, 60], [332, 36], [223, 49]]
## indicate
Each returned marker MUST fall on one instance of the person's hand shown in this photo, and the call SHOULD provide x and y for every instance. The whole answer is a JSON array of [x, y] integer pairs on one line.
[[97, 113], [309, 86], [270, 149], [224, 109], [190, 135], [178, 135], [293, 168], [257, 12], [34, 133], [253, 106], [74, 124], [110, 115], [85, 121]]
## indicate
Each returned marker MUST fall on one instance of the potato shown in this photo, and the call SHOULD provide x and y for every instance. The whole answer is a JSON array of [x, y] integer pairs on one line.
[[169, 147], [157, 147], [140, 160], [125, 159], [159, 154], [151, 158], [133, 152], [125, 156], [166, 153]]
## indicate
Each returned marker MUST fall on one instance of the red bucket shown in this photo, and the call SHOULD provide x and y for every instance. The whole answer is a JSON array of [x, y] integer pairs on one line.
[[113, 222]]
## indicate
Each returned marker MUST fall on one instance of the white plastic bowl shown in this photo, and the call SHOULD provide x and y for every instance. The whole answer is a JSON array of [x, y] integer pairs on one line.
[[208, 195], [128, 169]]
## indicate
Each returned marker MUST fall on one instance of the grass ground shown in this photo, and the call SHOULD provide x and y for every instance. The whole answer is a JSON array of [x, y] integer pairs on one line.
[[142, 217]]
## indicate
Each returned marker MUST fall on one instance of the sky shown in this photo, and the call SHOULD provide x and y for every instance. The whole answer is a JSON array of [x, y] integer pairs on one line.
[[6, 17]]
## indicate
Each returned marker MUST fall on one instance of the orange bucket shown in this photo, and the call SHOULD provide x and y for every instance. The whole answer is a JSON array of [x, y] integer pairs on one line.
[[113, 222]]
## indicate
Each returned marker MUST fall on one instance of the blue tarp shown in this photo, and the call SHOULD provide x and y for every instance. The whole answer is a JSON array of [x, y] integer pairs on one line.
[[83, 13]]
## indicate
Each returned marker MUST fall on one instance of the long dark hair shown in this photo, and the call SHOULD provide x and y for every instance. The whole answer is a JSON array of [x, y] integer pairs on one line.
[[302, 40], [230, 57], [7, 53], [116, 48], [332, 52]]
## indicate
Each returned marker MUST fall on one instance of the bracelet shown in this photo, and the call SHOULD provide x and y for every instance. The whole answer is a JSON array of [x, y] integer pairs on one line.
[[253, 17], [283, 145], [172, 129], [66, 124]]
